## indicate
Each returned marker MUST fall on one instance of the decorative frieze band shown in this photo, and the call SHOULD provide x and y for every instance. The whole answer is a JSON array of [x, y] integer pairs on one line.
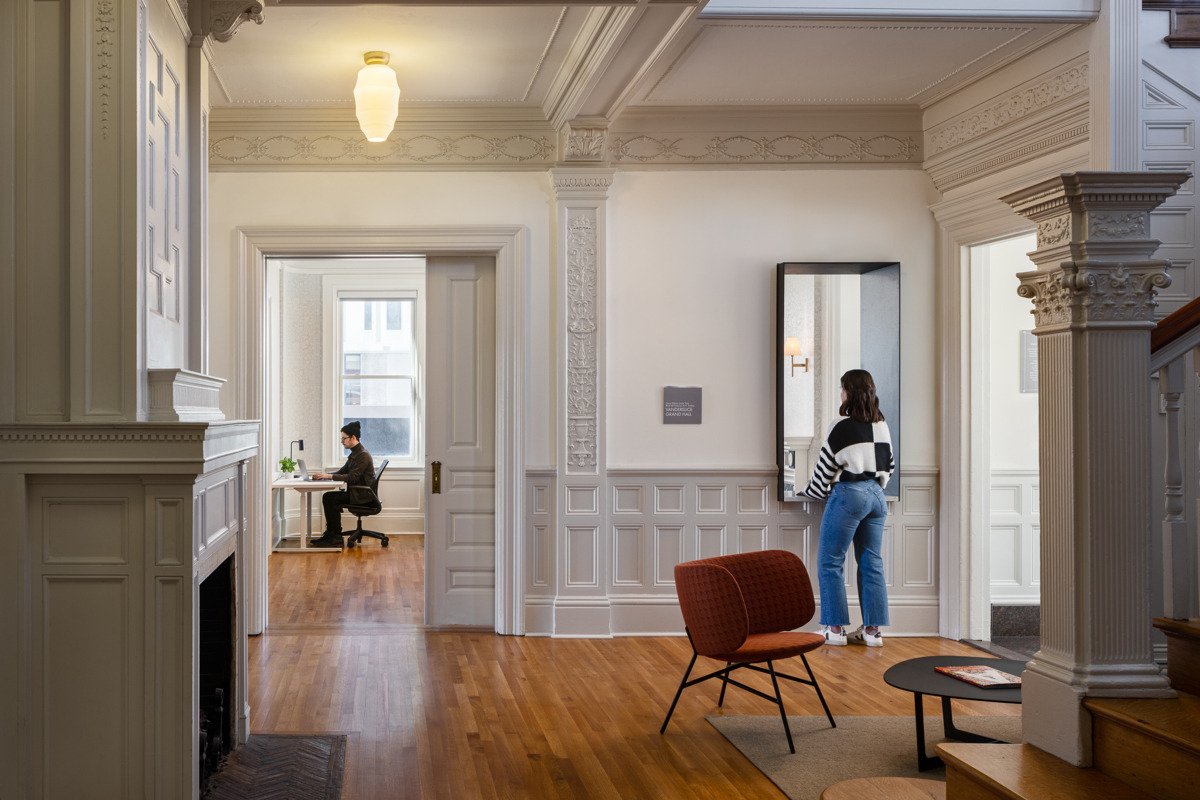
[[1044, 92], [764, 148], [485, 149]]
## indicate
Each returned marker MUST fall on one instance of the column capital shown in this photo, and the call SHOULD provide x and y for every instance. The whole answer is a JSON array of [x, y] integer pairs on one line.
[[584, 140], [1094, 252], [582, 182]]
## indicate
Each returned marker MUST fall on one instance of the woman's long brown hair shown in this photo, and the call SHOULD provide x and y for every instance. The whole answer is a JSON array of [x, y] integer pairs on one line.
[[861, 403]]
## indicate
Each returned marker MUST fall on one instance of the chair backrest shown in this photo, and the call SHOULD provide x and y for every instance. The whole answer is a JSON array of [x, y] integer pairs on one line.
[[374, 506], [726, 598], [712, 607]]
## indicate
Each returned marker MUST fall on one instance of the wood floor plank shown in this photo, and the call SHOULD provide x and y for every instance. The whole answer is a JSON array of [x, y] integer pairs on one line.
[[457, 715]]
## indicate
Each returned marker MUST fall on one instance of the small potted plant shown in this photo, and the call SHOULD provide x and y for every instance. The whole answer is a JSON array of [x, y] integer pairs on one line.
[[287, 465]]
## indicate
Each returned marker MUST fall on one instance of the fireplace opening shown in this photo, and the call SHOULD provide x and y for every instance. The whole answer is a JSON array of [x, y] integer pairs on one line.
[[216, 659]]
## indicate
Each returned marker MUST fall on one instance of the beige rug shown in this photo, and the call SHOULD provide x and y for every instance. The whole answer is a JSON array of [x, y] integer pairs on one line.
[[860, 747]]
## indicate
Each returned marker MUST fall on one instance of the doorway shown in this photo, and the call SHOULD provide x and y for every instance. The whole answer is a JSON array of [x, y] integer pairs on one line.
[[506, 249], [1005, 524], [404, 347]]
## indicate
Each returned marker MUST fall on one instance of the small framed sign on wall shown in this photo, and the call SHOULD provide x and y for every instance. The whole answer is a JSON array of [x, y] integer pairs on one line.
[[1029, 363], [682, 405]]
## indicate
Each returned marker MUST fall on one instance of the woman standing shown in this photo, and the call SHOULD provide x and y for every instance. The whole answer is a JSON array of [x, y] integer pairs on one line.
[[852, 469]]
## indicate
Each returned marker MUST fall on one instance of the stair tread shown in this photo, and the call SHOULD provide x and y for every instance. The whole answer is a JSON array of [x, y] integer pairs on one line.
[[1019, 771], [1175, 721], [1187, 628]]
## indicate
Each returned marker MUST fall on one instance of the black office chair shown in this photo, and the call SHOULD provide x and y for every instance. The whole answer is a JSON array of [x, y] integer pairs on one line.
[[369, 509]]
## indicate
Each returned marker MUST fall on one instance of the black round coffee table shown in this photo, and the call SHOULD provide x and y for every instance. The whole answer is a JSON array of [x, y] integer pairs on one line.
[[917, 675]]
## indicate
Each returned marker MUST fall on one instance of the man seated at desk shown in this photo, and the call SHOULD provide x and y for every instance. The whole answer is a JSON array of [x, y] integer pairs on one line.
[[357, 472]]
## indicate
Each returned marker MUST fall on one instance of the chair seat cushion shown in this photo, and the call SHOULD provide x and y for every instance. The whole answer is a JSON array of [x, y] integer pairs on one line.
[[772, 646]]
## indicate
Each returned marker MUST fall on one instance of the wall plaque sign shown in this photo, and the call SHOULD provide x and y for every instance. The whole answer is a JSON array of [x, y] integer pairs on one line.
[[681, 405]]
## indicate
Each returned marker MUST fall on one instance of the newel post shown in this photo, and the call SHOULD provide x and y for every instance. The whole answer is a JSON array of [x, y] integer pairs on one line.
[[1093, 302]]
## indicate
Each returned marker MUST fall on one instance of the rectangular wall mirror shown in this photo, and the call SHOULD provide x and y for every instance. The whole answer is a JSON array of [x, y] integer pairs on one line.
[[831, 317]]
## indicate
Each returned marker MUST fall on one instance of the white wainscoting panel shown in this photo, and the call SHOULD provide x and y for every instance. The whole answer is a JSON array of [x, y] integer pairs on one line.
[[659, 517], [1013, 537]]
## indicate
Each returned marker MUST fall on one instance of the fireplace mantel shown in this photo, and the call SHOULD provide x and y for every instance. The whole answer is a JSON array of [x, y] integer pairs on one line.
[[112, 529]]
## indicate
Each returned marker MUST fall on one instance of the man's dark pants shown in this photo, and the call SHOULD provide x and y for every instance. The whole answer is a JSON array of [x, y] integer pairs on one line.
[[334, 502]]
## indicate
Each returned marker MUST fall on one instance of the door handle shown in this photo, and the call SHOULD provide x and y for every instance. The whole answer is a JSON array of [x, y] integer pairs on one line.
[[437, 477]]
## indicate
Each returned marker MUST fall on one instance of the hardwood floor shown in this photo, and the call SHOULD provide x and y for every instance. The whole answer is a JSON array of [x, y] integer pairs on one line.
[[456, 715]]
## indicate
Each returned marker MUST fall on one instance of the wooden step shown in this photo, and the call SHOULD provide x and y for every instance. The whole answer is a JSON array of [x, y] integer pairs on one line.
[[1023, 772], [1183, 652], [1152, 744]]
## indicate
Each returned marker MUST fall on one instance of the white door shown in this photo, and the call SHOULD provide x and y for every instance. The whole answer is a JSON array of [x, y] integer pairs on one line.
[[460, 434]]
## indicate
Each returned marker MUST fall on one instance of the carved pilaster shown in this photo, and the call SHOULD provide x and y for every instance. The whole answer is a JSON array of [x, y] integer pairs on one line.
[[1093, 301]]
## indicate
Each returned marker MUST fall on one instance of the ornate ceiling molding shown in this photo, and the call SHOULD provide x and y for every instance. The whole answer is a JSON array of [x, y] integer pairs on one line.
[[756, 147], [221, 18]]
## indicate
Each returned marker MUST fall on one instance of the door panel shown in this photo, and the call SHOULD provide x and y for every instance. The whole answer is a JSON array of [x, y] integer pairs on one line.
[[460, 541]]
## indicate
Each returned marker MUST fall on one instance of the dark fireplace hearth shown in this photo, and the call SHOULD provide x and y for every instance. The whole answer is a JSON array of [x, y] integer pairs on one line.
[[217, 608]]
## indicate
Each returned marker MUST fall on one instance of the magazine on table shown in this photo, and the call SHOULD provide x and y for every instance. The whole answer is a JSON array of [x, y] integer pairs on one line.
[[982, 676]]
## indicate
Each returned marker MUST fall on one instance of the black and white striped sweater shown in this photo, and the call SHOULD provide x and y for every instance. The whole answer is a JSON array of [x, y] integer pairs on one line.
[[853, 451]]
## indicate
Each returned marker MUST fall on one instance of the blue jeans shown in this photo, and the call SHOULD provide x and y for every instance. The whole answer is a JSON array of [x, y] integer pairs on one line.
[[855, 512]]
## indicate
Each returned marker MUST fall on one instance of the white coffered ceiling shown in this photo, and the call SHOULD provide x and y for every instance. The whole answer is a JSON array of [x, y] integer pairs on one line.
[[564, 61]]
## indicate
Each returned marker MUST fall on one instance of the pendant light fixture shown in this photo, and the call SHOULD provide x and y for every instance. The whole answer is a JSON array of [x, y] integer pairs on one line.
[[376, 97]]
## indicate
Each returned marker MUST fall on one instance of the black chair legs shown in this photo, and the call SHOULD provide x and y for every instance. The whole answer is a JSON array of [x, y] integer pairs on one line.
[[678, 692], [782, 714], [358, 533]]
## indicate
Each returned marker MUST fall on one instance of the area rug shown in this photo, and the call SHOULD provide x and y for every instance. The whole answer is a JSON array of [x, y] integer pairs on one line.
[[277, 765], [859, 747]]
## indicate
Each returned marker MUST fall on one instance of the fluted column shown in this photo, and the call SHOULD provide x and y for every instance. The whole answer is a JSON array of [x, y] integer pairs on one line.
[[1093, 302], [581, 604]]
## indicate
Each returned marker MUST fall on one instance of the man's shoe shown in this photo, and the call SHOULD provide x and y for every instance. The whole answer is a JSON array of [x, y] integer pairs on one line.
[[832, 637], [325, 540]]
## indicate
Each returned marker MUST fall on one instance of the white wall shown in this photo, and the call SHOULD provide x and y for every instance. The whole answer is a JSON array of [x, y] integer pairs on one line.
[[691, 270], [1012, 427]]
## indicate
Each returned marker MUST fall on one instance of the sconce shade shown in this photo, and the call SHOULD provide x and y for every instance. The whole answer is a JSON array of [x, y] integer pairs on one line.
[[376, 97], [791, 346]]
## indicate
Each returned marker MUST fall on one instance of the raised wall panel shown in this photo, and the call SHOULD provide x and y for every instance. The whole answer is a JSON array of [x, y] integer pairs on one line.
[[627, 555], [710, 541], [471, 529], [84, 667], [216, 500], [797, 539], [668, 551], [583, 500], [1006, 499], [710, 499], [1168, 135], [889, 551], [85, 530], [172, 537], [469, 579], [541, 556], [668, 499], [752, 538], [1004, 555], [582, 557], [752, 499], [917, 499], [1189, 187], [459, 478], [919, 556], [627, 500], [1174, 227], [1035, 572], [172, 693], [541, 499]]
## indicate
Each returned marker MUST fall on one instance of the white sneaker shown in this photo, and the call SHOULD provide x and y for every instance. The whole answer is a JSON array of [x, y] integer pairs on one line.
[[833, 638], [861, 636]]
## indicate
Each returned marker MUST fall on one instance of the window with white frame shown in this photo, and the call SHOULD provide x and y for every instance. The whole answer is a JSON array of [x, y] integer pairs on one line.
[[373, 351]]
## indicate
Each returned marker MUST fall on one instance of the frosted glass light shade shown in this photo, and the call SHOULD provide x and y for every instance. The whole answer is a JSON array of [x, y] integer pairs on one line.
[[376, 97], [791, 346]]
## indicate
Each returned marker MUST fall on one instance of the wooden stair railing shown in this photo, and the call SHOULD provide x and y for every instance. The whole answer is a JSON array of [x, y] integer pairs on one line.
[[1174, 345], [1185, 21]]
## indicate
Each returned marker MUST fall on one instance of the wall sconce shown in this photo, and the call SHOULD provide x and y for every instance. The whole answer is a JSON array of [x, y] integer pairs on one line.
[[376, 97], [791, 348]]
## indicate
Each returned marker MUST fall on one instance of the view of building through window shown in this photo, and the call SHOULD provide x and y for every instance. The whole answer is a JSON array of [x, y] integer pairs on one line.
[[379, 371]]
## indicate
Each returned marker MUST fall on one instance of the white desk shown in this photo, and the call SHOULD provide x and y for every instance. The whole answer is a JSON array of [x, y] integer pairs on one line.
[[306, 489]]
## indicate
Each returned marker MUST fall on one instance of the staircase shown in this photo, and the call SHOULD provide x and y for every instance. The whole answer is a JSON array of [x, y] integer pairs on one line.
[[1141, 749]]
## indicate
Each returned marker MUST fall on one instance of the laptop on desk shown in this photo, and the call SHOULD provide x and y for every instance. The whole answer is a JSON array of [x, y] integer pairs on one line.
[[302, 468]]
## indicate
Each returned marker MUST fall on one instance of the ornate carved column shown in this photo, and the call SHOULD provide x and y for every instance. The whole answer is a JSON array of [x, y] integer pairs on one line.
[[1093, 302], [581, 602]]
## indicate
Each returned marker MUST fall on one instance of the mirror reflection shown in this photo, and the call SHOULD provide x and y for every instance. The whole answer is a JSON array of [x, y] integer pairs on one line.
[[832, 317]]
